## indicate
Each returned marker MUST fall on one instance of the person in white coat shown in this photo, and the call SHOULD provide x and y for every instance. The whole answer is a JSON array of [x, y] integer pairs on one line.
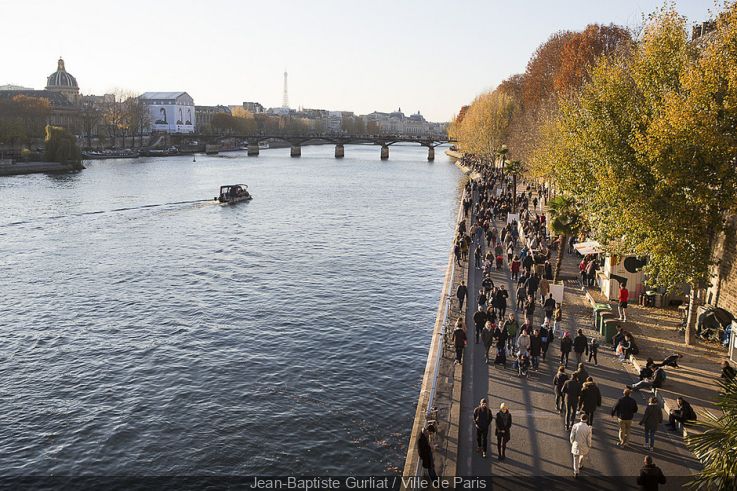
[[580, 443]]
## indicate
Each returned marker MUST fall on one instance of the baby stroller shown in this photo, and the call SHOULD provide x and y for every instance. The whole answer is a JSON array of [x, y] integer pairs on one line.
[[523, 365], [501, 357]]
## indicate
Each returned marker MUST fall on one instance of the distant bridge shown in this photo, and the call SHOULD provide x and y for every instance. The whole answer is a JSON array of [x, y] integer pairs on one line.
[[297, 140]]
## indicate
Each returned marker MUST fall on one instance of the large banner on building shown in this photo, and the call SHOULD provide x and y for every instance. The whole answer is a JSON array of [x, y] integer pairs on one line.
[[172, 118]]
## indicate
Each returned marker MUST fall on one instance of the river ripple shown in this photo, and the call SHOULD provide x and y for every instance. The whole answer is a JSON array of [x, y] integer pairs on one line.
[[284, 335]]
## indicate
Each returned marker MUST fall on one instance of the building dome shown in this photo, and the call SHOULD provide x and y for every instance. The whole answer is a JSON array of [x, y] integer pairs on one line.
[[60, 79]]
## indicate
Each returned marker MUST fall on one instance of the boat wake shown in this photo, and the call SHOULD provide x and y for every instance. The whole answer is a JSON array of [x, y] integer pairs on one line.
[[114, 210]]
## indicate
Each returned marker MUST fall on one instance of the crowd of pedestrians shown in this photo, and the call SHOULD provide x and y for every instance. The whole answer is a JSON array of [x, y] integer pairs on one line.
[[502, 232]]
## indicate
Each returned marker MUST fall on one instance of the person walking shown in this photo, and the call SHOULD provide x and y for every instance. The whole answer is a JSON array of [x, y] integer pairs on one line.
[[549, 306], [501, 300], [566, 344], [482, 420], [464, 248], [459, 341], [503, 427], [536, 348], [651, 476], [530, 309], [425, 450], [482, 298], [479, 319], [461, 294], [523, 343], [520, 296], [624, 410], [512, 327], [589, 399], [557, 318], [560, 378], [651, 419], [581, 373], [487, 336], [624, 296], [545, 337], [477, 256], [514, 267], [544, 292], [572, 390], [581, 441], [580, 346], [594, 350]]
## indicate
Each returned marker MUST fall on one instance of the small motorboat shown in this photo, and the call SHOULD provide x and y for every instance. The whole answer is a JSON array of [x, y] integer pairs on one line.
[[233, 193]]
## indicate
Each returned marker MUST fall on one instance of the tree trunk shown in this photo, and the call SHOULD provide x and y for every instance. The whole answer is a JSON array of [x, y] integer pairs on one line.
[[691, 317], [514, 193], [561, 242]]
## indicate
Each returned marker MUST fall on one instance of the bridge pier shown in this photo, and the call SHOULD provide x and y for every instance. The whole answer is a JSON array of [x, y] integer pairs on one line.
[[296, 151], [339, 151], [430, 154], [384, 152], [252, 149]]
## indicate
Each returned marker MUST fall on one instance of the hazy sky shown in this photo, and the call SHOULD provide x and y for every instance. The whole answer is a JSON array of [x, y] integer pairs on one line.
[[426, 55]]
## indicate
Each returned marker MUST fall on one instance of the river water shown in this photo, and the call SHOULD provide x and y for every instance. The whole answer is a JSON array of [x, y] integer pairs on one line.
[[147, 333]]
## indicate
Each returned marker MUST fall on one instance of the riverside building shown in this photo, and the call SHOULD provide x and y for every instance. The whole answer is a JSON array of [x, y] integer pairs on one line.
[[170, 112]]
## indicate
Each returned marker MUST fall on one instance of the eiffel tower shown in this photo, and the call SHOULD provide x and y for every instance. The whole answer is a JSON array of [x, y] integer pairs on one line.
[[285, 97]]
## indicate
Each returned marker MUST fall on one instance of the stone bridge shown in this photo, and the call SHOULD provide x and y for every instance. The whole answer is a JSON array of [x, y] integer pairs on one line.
[[339, 140]]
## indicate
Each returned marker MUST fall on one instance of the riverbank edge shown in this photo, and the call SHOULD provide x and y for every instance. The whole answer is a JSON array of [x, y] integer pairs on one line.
[[449, 379], [21, 168]]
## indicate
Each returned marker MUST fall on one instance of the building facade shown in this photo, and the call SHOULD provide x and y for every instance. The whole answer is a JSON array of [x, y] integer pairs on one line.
[[204, 114], [723, 290], [170, 112], [62, 93]]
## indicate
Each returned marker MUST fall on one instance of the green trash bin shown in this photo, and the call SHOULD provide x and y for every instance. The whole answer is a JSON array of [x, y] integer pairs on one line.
[[598, 308], [604, 315], [610, 329]]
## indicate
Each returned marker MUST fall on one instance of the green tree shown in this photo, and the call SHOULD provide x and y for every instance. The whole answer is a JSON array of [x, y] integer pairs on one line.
[[61, 146], [716, 445], [565, 220], [647, 152], [22, 119]]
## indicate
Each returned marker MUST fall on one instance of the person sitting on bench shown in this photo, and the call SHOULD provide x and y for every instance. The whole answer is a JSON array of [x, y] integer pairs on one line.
[[655, 382], [648, 370], [682, 415], [618, 337], [728, 372], [671, 361]]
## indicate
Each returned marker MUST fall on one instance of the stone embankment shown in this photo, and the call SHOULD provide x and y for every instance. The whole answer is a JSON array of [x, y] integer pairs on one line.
[[9, 168], [440, 393]]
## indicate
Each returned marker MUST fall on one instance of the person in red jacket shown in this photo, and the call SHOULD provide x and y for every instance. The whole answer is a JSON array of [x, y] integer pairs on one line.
[[624, 296]]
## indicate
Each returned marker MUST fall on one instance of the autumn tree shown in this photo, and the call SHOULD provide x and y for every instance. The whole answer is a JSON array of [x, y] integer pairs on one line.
[[23, 119], [484, 127], [648, 153]]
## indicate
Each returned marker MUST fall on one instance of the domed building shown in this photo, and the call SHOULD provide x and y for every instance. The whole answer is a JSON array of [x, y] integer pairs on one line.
[[64, 83]]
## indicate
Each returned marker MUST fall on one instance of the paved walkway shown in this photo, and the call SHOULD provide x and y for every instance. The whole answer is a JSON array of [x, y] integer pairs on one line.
[[539, 444], [655, 331]]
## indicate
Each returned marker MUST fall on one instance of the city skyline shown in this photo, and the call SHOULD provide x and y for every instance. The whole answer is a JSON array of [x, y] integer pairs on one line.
[[357, 58]]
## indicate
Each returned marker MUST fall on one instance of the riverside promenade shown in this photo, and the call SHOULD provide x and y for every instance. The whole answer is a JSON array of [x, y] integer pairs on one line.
[[538, 454]]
